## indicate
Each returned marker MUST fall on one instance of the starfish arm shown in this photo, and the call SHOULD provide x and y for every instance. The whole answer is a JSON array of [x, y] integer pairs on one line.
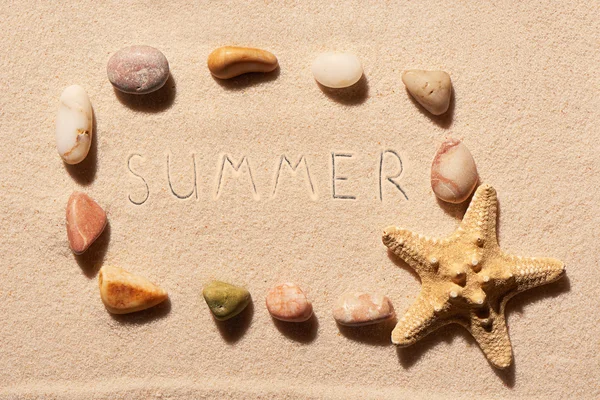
[[491, 335], [529, 272], [420, 320], [480, 218], [416, 250]]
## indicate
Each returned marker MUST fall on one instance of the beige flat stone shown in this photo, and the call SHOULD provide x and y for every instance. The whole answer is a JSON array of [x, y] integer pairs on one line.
[[357, 308], [123, 292]]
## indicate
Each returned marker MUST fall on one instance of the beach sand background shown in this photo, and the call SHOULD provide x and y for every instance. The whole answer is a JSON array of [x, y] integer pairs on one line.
[[526, 103]]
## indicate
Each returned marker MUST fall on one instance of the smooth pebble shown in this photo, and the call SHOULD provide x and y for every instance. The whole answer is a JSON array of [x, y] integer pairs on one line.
[[74, 125], [224, 300], [337, 70], [287, 302], [230, 61], [432, 89], [138, 69], [357, 308], [123, 292], [453, 172], [85, 222]]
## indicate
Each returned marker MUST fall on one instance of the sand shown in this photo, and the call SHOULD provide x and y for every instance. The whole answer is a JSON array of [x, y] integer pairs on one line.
[[525, 103]]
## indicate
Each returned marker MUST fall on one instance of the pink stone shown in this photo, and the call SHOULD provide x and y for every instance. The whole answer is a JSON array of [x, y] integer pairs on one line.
[[287, 302], [356, 308], [85, 221]]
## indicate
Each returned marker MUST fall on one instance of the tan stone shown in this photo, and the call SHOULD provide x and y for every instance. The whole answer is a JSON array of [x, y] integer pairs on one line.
[[466, 279], [123, 292], [357, 308], [230, 61], [85, 222], [432, 89]]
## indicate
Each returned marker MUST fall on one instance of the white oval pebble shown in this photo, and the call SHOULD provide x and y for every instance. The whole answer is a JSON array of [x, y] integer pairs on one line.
[[74, 125], [356, 309], [453, 172], [337, 70]]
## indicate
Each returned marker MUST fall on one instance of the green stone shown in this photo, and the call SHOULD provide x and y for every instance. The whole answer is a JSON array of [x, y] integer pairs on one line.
[[225, 300]]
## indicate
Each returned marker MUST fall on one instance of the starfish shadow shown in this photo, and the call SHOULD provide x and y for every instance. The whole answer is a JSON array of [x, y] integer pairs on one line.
[[554, 289], [507, 375], [401, 263], [408, 356]]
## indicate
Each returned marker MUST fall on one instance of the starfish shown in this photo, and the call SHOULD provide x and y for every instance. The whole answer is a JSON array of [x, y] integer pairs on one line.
[[467, 279]]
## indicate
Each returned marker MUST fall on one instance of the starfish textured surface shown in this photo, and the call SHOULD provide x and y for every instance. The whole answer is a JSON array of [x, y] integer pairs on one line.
[[467, 279]]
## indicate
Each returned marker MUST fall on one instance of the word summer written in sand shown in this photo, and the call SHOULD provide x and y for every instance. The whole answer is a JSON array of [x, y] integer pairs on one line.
[[180, 176]]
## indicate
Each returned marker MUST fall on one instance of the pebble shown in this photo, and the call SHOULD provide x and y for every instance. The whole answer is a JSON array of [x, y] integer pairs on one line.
[[138, 69], [74, 125], [230, 61], [453, 172], [432, 89], [85, 222], [123, 292], [337, 70], [287, 302], [357, 308], [224, 300]]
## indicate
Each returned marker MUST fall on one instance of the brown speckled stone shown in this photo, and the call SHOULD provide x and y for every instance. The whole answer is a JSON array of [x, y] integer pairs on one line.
[[138, 69]]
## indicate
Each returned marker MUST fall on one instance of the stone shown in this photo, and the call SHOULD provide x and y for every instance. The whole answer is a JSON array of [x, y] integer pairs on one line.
[[453, 172], [123, 292], [74, 125], [432, 89], [224, 300], [287, 302], [86, 221], [337, 70], [467, 279], [230, 61], [138, 69], [357, 309]]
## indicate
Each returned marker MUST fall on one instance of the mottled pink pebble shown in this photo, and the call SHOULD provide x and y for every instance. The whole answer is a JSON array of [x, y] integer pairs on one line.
[[287, 302], [357, 309]]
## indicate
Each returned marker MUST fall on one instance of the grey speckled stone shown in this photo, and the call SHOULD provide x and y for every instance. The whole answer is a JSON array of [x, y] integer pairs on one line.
[[138, 69]]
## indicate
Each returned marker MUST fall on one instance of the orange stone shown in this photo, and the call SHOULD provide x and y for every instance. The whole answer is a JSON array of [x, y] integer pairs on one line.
[[85, 222], [123, 292]]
